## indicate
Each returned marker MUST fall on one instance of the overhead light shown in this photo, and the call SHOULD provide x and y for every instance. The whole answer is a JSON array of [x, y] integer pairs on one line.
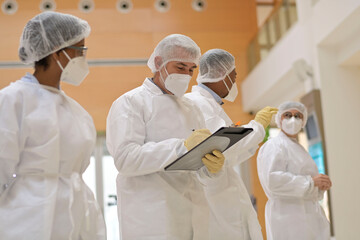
[[124, 6], [47, 5], [162, 5], [86, 5], [198, 5], [9, 7]]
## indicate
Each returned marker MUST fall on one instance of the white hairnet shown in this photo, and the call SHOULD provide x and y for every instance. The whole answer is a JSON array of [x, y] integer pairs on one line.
[[215, 64], [49, 32], [286, 106], [175, 47]]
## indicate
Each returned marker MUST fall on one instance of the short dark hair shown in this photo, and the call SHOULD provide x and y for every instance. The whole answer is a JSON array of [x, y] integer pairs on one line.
[[44, 63]]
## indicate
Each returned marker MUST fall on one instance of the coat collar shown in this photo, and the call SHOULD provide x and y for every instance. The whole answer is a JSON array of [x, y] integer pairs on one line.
[[207, 92], [152, 87]]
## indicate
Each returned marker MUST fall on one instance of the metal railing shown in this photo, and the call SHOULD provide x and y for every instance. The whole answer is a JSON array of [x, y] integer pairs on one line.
[[283, 16]]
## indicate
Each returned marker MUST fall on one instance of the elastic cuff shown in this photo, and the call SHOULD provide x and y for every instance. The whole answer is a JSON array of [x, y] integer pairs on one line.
[[207, 178], [311, 185]]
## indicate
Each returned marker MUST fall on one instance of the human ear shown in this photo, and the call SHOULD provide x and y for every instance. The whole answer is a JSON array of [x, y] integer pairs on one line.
[[158, 62]]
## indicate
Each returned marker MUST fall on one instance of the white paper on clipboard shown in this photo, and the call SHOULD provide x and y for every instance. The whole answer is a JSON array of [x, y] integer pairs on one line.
[[221, 140]]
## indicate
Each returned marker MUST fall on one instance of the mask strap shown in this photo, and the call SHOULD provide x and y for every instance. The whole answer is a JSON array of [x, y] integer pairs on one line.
[[162, 79], [58, 62], [230, 80], [226, 84], [227, 74], [66, 55]]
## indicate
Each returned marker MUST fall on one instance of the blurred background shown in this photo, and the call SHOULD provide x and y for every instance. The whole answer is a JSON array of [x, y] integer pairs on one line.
[[302, 50]]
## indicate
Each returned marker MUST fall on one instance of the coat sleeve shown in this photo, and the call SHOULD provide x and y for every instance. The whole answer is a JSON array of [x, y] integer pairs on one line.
[[320, 195], [213, 121], [125, 139], [9, 138], [246, 147], [272, 169]]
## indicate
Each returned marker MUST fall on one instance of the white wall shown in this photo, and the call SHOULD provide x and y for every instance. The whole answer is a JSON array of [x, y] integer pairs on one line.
[[328, 15], [267, 79], [340, 95], [336, 35], [327, 36]]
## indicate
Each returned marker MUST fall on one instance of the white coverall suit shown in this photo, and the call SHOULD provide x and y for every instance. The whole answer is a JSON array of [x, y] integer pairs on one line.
[[293, 212], [45, 146], [243, 211], [145, 132]]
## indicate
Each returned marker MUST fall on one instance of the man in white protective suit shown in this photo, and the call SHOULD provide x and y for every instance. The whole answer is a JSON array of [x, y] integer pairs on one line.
[[217, 81], [147, 129], [291, 181], [46, 138]]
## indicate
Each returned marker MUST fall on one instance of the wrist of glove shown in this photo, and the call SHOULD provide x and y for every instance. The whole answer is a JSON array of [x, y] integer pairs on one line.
[[214, 162], [264, 116]]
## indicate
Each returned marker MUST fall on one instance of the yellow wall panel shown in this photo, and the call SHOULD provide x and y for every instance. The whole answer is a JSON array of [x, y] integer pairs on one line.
[[103, 86], [115, 46], [11, 75]]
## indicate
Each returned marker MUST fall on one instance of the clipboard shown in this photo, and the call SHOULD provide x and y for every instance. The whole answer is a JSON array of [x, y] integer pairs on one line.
[[221, 140]]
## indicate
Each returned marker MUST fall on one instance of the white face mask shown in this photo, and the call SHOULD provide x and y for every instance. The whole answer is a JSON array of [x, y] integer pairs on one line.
[[176, 83], [233, 92], [292, 126], [75, 71]]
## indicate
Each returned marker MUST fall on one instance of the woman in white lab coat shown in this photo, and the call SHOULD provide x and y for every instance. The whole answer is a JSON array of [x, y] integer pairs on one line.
[[47, 138], [292, 182]]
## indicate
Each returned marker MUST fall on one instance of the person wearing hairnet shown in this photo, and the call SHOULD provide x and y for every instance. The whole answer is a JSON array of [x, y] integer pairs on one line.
[[47, 138], [291, 181], [148, 128], [217, 81]]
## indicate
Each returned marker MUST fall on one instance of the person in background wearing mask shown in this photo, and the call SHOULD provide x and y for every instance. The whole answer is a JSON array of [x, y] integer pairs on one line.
[[291, 181], [148, 128], [47, 138], [217, 81]]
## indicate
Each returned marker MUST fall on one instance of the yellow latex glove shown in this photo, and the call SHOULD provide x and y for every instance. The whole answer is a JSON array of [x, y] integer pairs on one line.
[[264, 116], [214, 162], [196, 137]]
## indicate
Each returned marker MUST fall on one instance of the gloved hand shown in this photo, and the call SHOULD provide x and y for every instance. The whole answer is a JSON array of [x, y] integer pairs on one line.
[[214, 162], [196, 137], [264, 116]]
